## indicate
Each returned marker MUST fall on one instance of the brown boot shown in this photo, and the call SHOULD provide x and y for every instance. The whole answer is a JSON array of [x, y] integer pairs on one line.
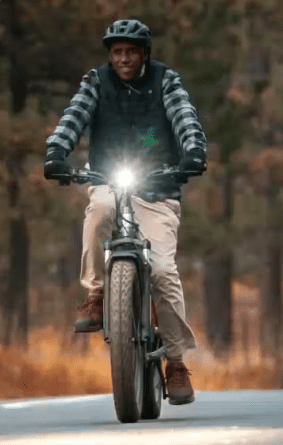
[[179, 386], [90, 314]]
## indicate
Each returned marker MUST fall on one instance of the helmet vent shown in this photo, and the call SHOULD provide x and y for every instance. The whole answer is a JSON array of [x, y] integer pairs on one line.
[[135, 28]]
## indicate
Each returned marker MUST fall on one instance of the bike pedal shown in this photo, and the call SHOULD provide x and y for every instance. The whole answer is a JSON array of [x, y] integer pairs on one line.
[[156, 355]]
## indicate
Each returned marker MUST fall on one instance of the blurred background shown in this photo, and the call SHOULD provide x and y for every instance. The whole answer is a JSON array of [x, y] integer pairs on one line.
[[229, 54]]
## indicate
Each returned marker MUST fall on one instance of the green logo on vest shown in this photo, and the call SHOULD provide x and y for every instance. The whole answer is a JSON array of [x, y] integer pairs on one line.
[[149, 140]]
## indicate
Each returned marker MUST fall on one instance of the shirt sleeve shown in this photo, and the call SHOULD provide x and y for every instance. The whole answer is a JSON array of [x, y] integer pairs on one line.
[[77, 116], [182, 114]]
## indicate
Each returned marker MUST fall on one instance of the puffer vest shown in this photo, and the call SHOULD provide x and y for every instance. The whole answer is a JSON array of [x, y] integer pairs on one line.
[[130, 124]]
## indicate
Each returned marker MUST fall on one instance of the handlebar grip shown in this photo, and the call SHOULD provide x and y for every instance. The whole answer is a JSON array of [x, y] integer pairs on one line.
[[195, 173], [186, 175], [64, 178]]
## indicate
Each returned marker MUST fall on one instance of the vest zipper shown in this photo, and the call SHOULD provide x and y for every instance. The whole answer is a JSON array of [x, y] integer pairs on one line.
[[129, 88]]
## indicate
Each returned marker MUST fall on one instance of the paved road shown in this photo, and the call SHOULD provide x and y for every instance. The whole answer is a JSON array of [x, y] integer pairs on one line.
[[240, 417]]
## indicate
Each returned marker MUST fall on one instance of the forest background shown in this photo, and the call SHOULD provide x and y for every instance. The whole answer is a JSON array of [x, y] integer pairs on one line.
[[229, 54]]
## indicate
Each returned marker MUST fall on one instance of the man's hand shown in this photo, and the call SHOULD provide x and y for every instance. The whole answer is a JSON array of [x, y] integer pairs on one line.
[[194, 161], [56, 164]]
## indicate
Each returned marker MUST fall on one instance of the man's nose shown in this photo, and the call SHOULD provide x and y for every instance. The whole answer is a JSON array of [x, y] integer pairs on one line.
[[125, 56]]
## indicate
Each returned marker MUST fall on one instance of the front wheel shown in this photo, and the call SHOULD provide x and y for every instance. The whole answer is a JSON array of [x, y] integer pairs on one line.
[[127, 358]]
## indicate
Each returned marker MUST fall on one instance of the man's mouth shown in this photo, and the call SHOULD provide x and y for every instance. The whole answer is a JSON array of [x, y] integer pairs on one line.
[[126, 69]]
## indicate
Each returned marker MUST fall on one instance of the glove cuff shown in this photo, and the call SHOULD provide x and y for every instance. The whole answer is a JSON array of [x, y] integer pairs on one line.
[[56, 153], [196, 153]]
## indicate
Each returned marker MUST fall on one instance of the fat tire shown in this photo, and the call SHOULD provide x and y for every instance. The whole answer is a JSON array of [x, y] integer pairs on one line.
[[126, 355]]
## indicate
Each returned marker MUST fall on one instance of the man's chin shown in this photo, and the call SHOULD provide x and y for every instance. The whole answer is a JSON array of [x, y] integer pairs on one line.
[[126, 77]]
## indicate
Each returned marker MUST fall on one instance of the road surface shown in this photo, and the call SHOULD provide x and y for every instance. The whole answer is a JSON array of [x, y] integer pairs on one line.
[[228, 417]]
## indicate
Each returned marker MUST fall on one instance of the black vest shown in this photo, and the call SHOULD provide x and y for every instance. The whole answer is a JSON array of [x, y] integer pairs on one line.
[[130, 123]]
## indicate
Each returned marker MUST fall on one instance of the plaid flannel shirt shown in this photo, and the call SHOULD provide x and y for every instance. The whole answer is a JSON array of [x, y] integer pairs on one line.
[[179, 111]]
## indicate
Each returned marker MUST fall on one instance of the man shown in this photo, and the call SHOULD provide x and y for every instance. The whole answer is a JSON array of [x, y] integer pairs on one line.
[[138, 111]]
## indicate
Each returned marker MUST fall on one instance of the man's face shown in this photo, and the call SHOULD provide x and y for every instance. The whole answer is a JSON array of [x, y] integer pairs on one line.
[[127, 60]]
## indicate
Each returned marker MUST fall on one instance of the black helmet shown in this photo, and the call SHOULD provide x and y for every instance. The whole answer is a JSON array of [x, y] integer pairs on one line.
[[128, 30]]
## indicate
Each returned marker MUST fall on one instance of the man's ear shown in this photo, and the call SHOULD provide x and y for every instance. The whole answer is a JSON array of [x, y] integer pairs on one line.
[[145, 54]]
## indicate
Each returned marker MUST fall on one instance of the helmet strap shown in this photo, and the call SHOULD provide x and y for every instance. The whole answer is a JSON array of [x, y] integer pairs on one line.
[[142, 70]]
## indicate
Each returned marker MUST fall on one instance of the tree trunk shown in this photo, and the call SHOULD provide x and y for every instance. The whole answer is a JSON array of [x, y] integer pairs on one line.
[[217, 293], [217, 276], [16, 304], [271, 295], [17, 71], [270, 298], [19, 276]]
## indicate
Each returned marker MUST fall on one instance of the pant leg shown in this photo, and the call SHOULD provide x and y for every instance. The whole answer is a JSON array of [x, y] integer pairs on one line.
[[98, 224], [159, 222]]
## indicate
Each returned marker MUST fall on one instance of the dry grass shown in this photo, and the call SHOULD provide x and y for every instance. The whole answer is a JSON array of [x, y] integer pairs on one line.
[[240, 369], [46, 370]]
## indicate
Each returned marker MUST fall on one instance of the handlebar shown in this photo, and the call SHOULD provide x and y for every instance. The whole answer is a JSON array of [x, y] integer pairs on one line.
[[82, 176]]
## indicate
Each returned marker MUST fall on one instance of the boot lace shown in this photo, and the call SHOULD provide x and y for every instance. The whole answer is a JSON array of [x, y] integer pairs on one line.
[[177, 374]]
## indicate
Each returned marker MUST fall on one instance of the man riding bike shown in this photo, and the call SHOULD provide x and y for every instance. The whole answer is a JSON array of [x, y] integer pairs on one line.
[[137, 111]]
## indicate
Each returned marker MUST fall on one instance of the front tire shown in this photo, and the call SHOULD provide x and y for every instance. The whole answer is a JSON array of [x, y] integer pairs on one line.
[[127, 359]]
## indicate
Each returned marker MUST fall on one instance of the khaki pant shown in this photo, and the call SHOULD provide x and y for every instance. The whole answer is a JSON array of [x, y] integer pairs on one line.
[[159, 222]]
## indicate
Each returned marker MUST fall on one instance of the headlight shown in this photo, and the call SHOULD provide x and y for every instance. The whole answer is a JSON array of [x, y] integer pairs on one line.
[[124, 177]]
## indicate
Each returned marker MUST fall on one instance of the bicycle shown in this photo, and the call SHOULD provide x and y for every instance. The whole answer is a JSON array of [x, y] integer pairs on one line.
[[136, 349]]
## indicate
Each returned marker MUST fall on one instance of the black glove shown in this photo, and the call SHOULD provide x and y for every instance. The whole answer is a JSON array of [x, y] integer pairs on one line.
[[55, 164], [194, 161]]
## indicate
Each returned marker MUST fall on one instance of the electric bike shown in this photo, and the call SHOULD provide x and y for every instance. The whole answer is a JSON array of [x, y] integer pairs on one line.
[[136, 349]]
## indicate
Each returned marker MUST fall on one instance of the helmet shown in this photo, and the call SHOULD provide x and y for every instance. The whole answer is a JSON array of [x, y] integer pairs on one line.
[[128, 30]]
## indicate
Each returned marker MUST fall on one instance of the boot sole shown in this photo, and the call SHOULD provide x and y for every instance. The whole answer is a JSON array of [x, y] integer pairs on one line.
[[80, 328], [181, 400]]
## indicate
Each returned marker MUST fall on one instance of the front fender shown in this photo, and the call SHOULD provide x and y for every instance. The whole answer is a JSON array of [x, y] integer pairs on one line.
[[136, 257]]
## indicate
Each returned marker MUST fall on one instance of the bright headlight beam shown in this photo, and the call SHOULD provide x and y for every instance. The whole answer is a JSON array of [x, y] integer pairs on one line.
[[124, 177]]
